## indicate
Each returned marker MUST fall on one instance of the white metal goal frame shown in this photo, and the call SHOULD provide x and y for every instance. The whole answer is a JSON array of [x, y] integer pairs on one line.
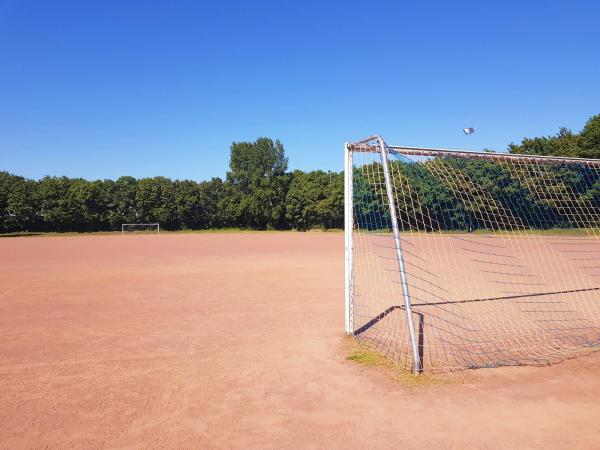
[[470, 344], [139, 225]]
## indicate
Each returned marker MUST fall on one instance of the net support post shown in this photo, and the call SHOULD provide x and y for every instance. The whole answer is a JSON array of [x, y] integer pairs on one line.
[[416, 356], [348, 225]]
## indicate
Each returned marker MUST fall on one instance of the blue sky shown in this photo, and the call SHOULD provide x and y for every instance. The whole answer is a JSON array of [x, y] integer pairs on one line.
[[143, 88]]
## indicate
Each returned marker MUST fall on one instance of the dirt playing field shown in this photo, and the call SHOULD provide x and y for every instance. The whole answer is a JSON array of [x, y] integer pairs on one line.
[[236, 341]]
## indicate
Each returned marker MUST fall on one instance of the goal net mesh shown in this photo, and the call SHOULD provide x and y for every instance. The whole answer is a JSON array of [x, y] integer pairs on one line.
[[501, 257]]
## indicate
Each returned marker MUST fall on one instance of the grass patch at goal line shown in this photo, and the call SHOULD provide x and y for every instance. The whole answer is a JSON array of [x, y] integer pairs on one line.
[[370, 358]]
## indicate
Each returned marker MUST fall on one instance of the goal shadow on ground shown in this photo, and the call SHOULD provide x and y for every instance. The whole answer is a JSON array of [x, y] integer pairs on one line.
[[421, 316]]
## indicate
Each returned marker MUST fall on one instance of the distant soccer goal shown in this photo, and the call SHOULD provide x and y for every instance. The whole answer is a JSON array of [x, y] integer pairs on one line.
[[458, 259], [149, 228]]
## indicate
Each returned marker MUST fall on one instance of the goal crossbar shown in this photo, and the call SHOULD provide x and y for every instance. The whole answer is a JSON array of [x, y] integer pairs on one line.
[[365, 147]]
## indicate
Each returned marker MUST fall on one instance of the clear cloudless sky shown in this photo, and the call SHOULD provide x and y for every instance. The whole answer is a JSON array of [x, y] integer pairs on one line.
[[100, 89]]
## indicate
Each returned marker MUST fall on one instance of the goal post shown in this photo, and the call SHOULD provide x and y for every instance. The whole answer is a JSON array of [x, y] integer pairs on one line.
[[348, 226], [149, 228], [460, 259]]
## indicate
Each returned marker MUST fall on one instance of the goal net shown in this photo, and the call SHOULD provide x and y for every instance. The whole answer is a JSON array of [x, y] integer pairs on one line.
[[149, 228], [460, 259]]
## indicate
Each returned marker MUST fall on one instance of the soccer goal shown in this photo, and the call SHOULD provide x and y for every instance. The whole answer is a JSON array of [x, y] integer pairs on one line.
[[150, 228], [458, 259]]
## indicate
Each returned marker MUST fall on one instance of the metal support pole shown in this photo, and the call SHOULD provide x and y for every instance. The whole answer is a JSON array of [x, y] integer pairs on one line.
[[348, 224], [416, 367]]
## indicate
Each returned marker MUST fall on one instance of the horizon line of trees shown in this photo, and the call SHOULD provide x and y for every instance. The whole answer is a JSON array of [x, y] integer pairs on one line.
[[258, 192]]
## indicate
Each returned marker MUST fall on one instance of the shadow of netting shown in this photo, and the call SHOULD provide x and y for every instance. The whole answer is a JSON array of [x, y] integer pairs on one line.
[[483, 325]]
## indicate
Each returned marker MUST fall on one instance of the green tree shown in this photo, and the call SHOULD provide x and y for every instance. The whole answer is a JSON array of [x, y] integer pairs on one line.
[[331, 208], [211, 199], [17, 210], [155, 202], [253, 161], [585, 144], [188, 209], [368, 196], [50, 195], [589, 138], [257, 184], [315, 199], [124, 208]]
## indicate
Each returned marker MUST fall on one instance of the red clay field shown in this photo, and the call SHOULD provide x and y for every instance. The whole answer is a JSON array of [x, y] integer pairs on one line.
[[236, 341]]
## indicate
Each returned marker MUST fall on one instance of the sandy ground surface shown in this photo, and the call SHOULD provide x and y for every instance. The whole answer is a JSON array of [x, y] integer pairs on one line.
[[235, 341]]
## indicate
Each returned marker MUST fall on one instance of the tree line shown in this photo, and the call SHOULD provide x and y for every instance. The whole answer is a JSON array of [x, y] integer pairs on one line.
[[468, 194], [259, 192], [458, 194]]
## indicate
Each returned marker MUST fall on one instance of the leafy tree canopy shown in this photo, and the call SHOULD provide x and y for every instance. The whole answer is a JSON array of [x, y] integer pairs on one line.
[[251, 161], [585, 144]]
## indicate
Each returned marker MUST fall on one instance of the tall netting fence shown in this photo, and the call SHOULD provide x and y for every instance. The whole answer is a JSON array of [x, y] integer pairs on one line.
[[497, 255]]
